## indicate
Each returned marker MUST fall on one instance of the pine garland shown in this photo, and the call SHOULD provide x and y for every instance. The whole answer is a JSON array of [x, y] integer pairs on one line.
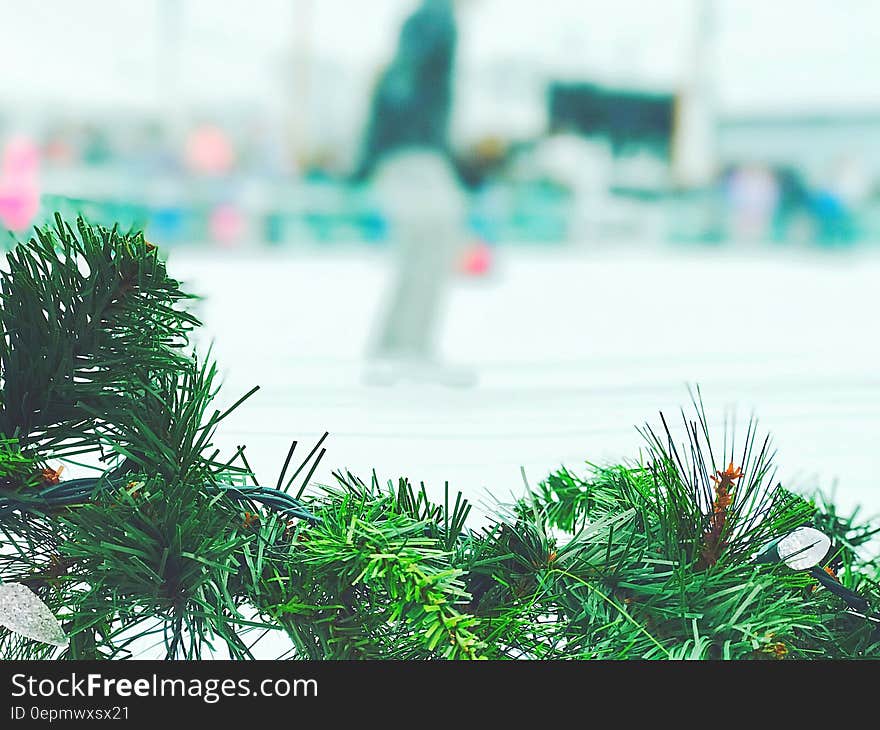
[[172, 544]]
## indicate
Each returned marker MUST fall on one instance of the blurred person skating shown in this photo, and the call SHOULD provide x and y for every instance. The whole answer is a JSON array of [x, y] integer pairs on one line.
[[406, 159]]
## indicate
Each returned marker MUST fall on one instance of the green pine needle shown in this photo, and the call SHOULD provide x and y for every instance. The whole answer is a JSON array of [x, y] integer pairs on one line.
[[174, 548]]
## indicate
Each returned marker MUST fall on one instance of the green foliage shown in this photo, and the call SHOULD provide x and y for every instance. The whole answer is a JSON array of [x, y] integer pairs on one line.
[[15, 467], [368, 581], [85, 315], [154, 554], [173, 548]]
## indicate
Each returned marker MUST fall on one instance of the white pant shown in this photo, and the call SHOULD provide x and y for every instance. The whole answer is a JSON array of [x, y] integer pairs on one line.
[[425, 207]]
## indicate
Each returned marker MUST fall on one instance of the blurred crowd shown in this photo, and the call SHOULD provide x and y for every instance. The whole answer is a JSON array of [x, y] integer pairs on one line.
[[227, 186], [781, 203], [603, 170]]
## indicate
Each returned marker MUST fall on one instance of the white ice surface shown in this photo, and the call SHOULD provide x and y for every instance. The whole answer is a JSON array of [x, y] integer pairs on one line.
[[572, 350]]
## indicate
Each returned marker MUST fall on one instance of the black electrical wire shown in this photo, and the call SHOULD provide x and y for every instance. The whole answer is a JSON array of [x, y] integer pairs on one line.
[[81, 491]]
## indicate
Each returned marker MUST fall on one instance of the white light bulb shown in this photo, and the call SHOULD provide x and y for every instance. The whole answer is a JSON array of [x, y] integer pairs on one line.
[[22, 612], [803, 548]]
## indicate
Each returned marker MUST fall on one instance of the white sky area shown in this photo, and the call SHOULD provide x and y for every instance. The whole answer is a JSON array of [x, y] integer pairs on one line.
[[762, 57]]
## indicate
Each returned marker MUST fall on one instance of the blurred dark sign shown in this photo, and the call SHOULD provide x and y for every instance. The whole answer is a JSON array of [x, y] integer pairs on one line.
[[625, 117]]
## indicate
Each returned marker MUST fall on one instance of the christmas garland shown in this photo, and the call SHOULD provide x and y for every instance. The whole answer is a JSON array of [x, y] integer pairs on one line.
[[695, 551]]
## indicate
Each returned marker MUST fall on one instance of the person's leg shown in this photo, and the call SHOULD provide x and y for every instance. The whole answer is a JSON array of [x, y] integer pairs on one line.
[[407, 325], [425, 205]]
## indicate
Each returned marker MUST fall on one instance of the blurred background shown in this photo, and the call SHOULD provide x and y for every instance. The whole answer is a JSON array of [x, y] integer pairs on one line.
[[470, 236]]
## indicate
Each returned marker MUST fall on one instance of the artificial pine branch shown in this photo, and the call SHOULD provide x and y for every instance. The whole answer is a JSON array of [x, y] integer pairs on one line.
[[86, 315], [177, 549]]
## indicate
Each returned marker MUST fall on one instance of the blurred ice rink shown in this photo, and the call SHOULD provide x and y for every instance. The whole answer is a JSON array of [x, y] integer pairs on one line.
[[676, 193], [572, 350], [664, 195]]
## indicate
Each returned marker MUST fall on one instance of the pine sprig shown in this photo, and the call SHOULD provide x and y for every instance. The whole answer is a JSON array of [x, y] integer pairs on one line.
[[160, 553], [709, 509], [367, 580], [86, 315]]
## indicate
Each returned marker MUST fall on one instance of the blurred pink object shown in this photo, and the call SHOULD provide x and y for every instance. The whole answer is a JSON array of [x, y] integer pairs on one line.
[[21, 158], [18, 207], [226, 224], [19, 184], [476, 260], [209, 151]]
